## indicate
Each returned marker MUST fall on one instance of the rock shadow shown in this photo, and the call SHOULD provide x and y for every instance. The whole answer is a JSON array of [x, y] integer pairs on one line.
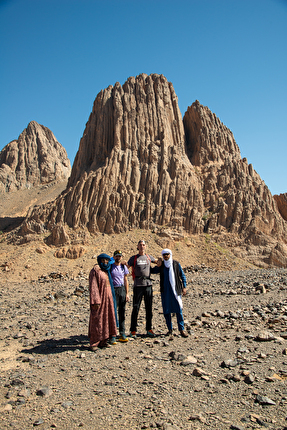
[[55, 346], [10, 223]]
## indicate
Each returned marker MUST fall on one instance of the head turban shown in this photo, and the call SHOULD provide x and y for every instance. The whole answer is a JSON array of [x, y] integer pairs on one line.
[[167, 263], [106, 267]]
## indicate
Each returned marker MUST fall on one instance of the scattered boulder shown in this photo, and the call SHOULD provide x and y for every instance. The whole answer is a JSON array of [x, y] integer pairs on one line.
[[58, 236], [72, 252]]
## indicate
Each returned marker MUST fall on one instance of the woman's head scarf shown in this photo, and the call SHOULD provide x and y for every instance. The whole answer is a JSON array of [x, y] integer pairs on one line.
[[103, 266], [106, 267]]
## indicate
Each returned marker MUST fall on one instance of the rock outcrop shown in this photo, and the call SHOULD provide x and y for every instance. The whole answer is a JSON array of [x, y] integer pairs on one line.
[[236, 199], [140, 165], [281, 201], [131, 169], [35, 158]]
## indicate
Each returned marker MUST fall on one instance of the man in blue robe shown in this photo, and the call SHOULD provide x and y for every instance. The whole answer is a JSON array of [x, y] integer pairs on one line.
[[172, 287]]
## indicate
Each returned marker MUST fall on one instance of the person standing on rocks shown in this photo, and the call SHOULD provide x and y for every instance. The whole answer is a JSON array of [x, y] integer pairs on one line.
[[119, 274], [172, 286], [102, 324], [141, 269]]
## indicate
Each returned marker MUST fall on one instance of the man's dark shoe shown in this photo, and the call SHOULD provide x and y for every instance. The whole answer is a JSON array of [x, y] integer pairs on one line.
[[183, 333]]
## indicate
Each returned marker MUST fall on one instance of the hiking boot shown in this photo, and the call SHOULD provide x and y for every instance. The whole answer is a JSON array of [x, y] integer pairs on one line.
[[113, 340], [133, 334], [183, 333], [150, 333], [169, 333], [123, 338]]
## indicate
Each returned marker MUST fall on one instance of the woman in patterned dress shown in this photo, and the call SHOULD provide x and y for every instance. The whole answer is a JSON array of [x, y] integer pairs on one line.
[[102, 325]]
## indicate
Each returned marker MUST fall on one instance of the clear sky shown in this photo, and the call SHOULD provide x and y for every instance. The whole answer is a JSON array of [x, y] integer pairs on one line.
[[231, 55]]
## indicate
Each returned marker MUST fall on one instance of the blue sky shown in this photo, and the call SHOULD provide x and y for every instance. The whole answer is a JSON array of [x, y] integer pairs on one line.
[[231, 55]]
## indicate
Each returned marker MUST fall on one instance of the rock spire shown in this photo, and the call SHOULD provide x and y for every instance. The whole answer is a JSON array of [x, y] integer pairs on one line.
[[131, 169], [236, 199], [36, 157], [139, 164]]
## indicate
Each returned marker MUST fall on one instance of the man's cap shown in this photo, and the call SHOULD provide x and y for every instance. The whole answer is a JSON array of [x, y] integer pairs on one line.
[[117, 252]]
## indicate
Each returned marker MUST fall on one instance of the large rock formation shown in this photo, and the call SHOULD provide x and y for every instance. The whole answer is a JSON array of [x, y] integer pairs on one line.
[[140, 165], [35, 158], [236, 199], [131, 169]]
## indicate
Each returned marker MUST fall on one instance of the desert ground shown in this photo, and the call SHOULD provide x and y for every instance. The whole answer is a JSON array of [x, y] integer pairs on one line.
[[230, 373]]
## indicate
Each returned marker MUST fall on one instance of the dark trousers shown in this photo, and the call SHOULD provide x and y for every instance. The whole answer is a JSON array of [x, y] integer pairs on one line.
[[138, 294], [121, 305]]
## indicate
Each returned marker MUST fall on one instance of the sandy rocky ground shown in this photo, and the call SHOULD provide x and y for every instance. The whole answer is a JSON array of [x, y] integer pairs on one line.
[[230, 373]]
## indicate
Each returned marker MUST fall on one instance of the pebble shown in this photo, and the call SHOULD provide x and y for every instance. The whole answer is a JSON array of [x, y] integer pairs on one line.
[[38, 422], [44, 391], [67, 404], [249, 379], [189, 360], [265, 337], [264, 400], [229, 363], [198, 372]]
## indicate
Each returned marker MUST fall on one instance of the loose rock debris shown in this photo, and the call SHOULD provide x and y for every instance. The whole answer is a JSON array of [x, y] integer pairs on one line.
[[230, 373]]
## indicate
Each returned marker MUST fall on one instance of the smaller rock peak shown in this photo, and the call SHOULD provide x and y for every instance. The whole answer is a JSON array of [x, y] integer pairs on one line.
[[36, 157]]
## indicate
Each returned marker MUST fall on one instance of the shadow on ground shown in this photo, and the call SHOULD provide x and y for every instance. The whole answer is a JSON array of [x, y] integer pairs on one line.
[[9, 223], [54, 346]]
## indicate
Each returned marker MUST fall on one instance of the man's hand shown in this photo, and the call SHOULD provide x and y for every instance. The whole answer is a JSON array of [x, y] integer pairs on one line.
[[184, 292], [127, 298]]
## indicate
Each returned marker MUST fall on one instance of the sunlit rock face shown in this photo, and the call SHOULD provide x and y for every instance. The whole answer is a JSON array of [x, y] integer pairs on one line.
[[131, 169], [139, 164], [236, 199], [36, 157], [281, 201]]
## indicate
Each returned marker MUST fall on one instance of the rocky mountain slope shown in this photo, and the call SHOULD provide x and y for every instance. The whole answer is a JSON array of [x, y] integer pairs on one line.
[[140, 165], [35, 158], [236, 199], [131, 169]]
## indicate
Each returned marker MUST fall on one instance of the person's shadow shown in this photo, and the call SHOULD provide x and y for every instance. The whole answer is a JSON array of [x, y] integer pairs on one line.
[[54, 346]]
